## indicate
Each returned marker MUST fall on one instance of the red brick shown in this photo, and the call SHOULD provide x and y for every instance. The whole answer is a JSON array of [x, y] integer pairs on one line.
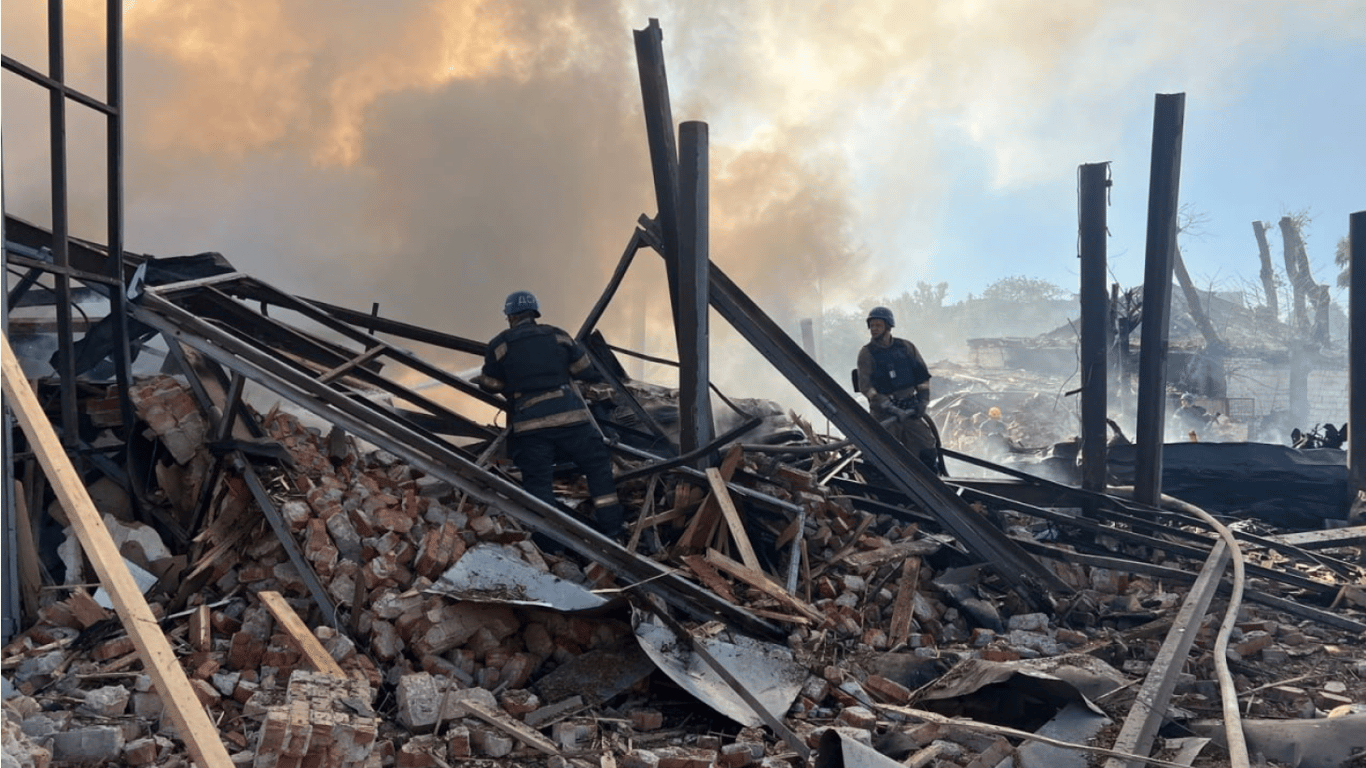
[[207, 694], [647, 720], [458, 742], [887, 690], [140, 752], [858, 717], [113, 649]]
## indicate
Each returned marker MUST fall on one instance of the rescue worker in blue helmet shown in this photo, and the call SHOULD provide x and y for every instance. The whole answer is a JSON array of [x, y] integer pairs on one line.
[[896, 381], [533, 366]]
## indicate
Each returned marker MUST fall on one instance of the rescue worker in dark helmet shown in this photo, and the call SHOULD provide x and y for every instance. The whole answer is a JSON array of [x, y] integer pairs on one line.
[[532, 366], [896, 381]]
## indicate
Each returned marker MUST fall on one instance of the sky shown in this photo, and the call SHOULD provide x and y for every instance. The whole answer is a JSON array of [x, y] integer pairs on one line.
[[435, 155]]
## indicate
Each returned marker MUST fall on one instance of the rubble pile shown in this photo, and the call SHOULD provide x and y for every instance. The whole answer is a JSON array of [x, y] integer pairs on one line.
[[892, 639]]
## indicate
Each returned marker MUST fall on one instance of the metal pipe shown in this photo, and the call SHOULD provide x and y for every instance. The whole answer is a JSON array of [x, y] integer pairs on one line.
[[1163, 187]]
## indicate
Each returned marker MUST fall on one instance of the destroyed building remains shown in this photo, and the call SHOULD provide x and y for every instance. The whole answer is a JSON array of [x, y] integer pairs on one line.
[[274, 551]]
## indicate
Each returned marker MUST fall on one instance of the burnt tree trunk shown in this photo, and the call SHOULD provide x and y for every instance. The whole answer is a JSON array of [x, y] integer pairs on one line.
[[1300, 280], [1268, 274], [1306, 290], [1193, 306]]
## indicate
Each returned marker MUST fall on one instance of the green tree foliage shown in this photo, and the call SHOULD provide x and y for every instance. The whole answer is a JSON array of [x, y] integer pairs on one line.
[[926, 296], [1024, 289]]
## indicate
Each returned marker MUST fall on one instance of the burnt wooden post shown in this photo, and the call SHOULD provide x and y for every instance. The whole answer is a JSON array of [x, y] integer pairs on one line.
[[693, 298], [1356, 388], [1164, 183], [1095, 314], [659, 130]]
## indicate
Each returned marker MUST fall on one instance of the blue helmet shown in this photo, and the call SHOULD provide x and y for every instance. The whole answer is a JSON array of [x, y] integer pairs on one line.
[[882, 313], [521, 301]]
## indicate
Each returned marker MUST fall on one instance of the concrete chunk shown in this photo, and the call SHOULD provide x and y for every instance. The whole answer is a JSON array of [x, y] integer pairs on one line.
[[95, 744]]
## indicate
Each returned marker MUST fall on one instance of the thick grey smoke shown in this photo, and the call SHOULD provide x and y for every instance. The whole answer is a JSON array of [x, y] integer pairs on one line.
[[433, 155]]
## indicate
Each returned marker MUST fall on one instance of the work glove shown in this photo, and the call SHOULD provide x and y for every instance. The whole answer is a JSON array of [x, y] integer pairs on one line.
[[900, 414], [916, 409]]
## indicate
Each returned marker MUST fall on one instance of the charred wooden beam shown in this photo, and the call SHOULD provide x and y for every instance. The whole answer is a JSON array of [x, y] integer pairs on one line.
[[694, 398], [659, 130], [628, 255], [1095, 183], [1163, 187]]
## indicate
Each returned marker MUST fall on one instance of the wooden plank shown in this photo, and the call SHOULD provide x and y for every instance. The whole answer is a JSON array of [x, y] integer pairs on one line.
[[201, 629], [790, 532], [192, 723], [732, 516], [1136, 735], [709, 576], [313, 650], [513, 728], [900, 629], [897, 551], [643, 519], [347, 366], [763, 583], [30, 573], [702, 526]]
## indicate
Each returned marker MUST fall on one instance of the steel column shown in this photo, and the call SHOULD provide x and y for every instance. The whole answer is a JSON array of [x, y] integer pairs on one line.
[[694, 375], [659, 130], [11, 605], [1095, 313], [118, 295], [1163, 186], [1356, 407], [66, 352]]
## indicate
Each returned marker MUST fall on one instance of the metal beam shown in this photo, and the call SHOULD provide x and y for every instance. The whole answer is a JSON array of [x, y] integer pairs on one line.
[[623, 264], [694, 396], [1095, 316], [438, 459], [1163, 186], [906, 472], [291, 546]]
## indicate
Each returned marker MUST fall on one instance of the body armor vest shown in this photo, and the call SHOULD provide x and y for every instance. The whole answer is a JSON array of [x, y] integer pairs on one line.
[[895, 368]]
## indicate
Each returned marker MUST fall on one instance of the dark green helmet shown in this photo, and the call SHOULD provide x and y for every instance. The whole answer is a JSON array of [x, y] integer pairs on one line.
[[884, 314]]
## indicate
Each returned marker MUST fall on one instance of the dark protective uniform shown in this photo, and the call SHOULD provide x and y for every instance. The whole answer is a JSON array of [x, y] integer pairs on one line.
[[896, 376], [532, 366]]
